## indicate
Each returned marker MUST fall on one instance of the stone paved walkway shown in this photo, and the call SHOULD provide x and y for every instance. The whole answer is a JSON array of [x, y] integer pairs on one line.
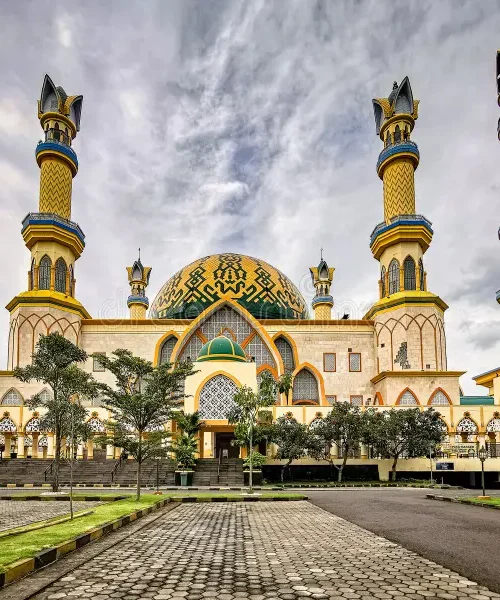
[[23, 512], [265, 551]]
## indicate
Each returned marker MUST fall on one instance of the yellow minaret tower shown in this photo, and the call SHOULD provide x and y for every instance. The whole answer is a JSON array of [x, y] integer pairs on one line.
[[55, 242], [138, 278], [409, 320], [322, 303]]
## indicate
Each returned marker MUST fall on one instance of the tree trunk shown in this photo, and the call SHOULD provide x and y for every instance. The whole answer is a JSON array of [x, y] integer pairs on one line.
[[139, 464], [341, 468], [283, 472], [393, 470], [250, 478], [57, 458]]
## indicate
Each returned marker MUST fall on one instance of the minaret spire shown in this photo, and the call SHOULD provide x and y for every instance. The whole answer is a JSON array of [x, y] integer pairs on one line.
[[322, 277], [138, 278]]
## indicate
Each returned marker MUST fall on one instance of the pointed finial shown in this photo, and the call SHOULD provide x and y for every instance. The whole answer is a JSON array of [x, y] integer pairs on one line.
[[139, 254], [321, 250]]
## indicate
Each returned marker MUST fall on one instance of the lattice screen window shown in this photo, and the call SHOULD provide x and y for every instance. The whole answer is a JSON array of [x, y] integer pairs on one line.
[[357, 400], [12, 398], [329, 362], [7, 425], [305, 387], [167, 349], [33, 426], [96, 425], [45, 396], [192, 348], [439, 399], [393, 276], [409, 273], [60, 277], [226, 317], [331, 399], [259, 351], [493, 426], [97, 366], [355, 362], [408, 399], [466, 425], [216, 398], [43, 442], [44, 269], [285, 349]]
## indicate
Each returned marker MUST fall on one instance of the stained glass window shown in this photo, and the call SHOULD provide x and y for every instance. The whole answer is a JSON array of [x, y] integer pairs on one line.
[[409, 273], [305, 387], [12, 398], [44, 273], [354, 362], [60, 279], [393, 276], [329, 362], [408, 399], [167, 349], [285, 349], [216, 398], [439, 399]]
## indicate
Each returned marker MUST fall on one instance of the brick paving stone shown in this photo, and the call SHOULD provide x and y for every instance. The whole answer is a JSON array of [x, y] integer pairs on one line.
[[21, 513], [268, 551]]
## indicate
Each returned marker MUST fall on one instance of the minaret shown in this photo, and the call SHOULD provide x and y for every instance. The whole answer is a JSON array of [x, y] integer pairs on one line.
[[407, 314], [55, 242], [322, 277], [138, 278]]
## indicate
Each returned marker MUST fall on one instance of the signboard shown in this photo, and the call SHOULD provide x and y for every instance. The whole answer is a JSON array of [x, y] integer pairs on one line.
[[445, 466]]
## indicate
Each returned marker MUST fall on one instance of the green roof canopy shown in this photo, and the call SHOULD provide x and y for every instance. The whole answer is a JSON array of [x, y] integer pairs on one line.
[[222, 348]]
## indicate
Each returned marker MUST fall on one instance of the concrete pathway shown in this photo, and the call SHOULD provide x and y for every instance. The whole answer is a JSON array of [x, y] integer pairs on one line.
[[272, 551]]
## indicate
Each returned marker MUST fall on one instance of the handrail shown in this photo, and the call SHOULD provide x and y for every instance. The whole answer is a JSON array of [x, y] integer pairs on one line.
[[218, 466], [115, 467], [50, 467]]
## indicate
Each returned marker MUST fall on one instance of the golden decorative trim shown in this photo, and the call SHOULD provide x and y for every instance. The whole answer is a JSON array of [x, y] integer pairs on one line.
[[48, 298], [405, 299], [389, 374], [401, 233], [52, 233]]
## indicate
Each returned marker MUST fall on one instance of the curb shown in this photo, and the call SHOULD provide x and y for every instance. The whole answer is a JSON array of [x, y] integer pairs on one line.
[[103, 498], [460, 501], [184, 499], [28, 565]]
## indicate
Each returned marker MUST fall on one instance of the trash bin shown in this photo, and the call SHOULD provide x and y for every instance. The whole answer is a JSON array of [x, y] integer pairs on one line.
[[184, 478]]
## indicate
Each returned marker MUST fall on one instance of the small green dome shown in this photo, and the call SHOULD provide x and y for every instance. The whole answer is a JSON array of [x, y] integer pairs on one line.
[[221, 348]]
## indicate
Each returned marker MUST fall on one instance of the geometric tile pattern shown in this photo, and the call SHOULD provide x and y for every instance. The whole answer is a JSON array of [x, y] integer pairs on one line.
[[55, 188], [285, 349], [305, 386], [399, 189], [256, 285], [262, 551], [216, 398]]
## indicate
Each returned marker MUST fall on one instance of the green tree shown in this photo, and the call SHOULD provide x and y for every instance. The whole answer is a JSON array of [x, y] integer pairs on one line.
[[408, 433], [185, 449], [189, 423], [285, 384], [343, 426], [55, 363], [246, 415], [141, 403], [292, 438]]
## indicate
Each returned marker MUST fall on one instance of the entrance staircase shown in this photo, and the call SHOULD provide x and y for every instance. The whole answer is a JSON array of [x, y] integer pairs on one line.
[[209, 474]]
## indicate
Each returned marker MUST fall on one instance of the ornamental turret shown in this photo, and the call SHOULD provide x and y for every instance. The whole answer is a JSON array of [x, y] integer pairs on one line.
[[322, 277], [138, 278], [55, 242]]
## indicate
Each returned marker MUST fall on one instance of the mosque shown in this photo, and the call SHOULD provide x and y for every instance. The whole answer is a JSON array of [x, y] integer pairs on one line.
[[238, 316]]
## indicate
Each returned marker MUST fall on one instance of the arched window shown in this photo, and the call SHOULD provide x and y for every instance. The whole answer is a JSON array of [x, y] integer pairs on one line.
[[285, 349], [12, 398], [493, 426], [7, 425], [421, 272], [388, 139], [71, 281], [216, 398], [96, 425], [467, 426], [439, 399], [382, 280], [305, 388], [60, 282], [57, 135], [409, 272], [408, 399], [393, 276], [44, 273], [167, 349], [33, 426], [397, 134]]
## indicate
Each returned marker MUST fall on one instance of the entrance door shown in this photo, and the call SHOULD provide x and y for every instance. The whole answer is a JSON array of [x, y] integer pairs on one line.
[[223, 443]]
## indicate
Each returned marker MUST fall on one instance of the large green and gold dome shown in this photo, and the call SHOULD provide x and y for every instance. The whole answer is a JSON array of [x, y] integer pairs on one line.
[[257, 286]]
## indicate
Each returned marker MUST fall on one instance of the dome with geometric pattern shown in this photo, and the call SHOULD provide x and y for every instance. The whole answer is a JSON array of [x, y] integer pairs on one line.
[[221, 348], [257, 286]]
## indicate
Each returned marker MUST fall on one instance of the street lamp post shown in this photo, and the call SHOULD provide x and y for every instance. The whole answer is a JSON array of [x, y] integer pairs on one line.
[[483, 455]]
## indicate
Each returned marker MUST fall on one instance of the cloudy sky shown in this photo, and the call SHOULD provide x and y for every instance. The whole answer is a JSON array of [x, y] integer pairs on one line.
[[247, 126]]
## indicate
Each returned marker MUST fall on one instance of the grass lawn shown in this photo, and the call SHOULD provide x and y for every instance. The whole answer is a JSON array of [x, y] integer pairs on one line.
[[322, 483], [492, 502], [30, 543]]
